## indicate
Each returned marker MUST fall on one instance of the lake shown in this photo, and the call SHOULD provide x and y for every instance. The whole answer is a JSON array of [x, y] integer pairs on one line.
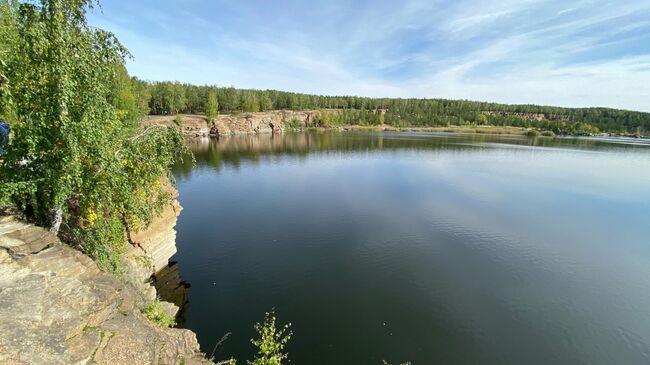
[[420, 247]]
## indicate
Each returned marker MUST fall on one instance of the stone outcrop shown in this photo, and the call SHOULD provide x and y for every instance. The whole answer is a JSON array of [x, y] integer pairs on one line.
[[191, 125], [248, 123], [244, 123], [528, 116], [149, 251], [158, 241], [57, 307]]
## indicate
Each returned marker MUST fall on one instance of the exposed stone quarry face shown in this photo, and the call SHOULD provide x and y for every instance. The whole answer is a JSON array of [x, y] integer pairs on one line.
[[191, 125], [150, 249], [245, 123], [57, 307], [259, 122], [158, 241]]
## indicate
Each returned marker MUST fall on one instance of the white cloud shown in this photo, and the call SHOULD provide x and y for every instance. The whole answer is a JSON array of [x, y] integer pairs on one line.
[[620, 83], [538, 46]]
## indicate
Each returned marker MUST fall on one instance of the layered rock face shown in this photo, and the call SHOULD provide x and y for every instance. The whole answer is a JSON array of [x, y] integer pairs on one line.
[[245, 123], [158, 241], [260, 122], [192, 125], [57, 307], [149, 251]]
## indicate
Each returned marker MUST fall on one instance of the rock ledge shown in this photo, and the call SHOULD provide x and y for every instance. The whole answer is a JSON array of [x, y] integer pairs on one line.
[[57, 307]]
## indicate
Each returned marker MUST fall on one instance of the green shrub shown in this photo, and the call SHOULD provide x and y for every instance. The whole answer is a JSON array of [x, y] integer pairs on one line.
[[295, 123], [157, 314], [78, 160], [548, 134], [271, 342], [532, 133]]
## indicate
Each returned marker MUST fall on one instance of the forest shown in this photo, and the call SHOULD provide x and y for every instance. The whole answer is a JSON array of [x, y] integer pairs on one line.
[[163, 98]]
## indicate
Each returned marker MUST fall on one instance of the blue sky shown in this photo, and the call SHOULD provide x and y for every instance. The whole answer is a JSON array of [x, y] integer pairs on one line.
[[567, 53]]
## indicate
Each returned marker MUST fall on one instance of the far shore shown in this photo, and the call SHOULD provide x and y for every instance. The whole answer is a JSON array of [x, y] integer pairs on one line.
[[500, 130], [449, 129], [196, 125]]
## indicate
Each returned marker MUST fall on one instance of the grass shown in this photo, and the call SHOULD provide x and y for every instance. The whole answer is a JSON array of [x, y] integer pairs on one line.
[[156, 314], [143, 261], [88, 328]]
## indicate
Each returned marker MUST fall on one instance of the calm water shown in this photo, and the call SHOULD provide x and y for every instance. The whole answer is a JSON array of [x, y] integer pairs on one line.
[[434, 249]]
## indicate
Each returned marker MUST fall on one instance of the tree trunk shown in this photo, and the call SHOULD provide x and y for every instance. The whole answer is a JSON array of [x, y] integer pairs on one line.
[[56, 221]]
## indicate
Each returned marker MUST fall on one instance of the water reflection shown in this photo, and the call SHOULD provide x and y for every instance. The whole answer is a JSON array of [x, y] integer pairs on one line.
[[431, 248], [234, 150], [171, 287]]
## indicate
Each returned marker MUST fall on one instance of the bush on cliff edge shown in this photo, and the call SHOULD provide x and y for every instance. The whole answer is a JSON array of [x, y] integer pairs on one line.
[[77, 162]]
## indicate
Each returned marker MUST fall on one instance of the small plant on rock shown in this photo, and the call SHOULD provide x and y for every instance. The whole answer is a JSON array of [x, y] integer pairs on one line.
[[294, 123], [271, 342], [157, 314]]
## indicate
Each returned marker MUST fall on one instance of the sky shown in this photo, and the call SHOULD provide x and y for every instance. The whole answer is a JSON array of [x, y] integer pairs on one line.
[[575, 53]]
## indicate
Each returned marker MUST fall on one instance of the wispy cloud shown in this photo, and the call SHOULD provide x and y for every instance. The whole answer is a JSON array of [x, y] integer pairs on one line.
[[474, 21], [570, 53], [563, 11]]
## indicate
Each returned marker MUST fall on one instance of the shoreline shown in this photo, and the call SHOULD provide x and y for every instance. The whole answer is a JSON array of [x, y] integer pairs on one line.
[[449, 129], [486, 130], [194, 125]]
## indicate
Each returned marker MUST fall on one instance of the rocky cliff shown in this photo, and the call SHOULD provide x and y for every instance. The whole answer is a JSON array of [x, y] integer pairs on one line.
[[192, 125], [57, 307], [158, 241], [261, 122], [244, 123]]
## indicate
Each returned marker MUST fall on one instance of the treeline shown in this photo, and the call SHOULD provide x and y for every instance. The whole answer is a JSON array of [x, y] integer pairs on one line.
[[161, 98]]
